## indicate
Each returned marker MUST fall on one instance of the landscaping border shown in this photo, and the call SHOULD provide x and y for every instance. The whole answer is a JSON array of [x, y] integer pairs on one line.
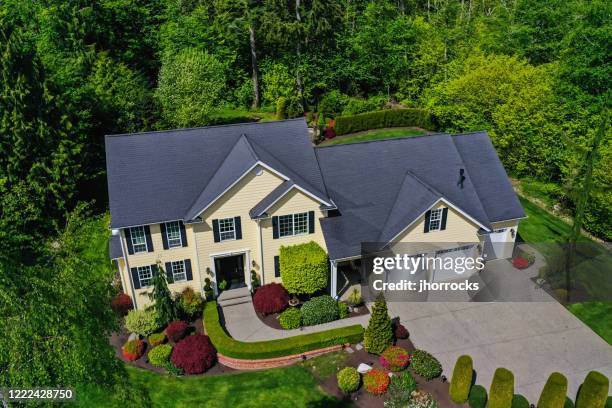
[[287, 347], [243, 364]]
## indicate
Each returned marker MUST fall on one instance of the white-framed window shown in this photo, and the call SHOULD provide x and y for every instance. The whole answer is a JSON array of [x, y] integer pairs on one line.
[[435, 220], [293, 224], [173, 234], [227, 229], [178, 271], [139, 241], [145, 275]]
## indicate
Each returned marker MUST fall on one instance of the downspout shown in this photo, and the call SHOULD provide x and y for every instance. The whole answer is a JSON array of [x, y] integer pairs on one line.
[[197, 254], [129, 271], [261, 253]]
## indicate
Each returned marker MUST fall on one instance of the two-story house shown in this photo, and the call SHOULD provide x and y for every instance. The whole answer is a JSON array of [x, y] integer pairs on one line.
[[217, 202]]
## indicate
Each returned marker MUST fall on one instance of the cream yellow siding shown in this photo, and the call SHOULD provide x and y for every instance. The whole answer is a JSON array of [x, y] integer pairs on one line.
[[458, 229], [243, 196], [163, 255], [293, 202]]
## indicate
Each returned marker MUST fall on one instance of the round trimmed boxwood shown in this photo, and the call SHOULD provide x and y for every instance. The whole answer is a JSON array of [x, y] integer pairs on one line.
[[462, 380], [518, 401], [159, 356], [348, 379], [594, 391], [343, 310], [303, 268], [478, 397], [143, 322], [554, 391], [291, 318], [425, 365], [502, 389], [270, 298], [321, 309], [156, 339]]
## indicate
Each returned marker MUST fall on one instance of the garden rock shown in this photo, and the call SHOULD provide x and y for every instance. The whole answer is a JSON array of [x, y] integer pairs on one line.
[[358, 346], [363, 368], [134, 336]]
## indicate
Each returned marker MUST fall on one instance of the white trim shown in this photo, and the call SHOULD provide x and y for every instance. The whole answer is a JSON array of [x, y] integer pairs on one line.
[[128, 270], [233, 230], [261, 254], [144, 235], [510, 219], [293, 234], [247, 257], [311, 195], [334, 279], [348, 258], [180, 236], [229, 253], [418, 218], [195, 245]]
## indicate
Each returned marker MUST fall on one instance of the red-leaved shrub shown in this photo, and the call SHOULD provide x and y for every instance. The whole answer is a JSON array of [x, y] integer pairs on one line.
[[270, 298], [133, 349], [176, 330], [520, 262], [194, 354], [329, 133], [121, 304], [400, 331], [395, 358], [376, 381]]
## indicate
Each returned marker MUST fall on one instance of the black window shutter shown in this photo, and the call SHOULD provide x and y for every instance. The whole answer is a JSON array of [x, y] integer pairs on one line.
[[135, 278], [147, 231], [128, 239], [275, 227], [216, 230], [427, 218], [169, 275], [183, 233], [188, 271], [276, 267], [238, 227], [162, 227], [444, 215], [311, 222]]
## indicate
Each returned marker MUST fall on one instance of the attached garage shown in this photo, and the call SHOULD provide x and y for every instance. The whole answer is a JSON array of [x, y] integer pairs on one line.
[[444, 257]]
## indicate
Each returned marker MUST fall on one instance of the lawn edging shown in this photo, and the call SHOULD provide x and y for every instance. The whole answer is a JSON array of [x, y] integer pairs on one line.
[[288, 348]]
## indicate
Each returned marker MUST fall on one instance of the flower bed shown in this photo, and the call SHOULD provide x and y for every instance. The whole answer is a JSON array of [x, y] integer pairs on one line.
[[520, 263]]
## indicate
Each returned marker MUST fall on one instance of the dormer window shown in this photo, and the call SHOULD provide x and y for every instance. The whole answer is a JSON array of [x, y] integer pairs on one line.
[[435, 221]]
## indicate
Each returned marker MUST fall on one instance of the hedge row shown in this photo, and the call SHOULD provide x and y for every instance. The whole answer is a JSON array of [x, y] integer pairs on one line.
[[383, 118], [258, 350], [554, 392], [462, 380]]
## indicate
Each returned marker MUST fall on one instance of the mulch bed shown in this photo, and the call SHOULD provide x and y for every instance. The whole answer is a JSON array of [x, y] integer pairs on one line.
[[118, 339], [272, 320], [361, 398]]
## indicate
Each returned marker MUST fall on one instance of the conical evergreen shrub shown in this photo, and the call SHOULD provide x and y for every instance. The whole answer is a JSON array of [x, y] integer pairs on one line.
[[379, 334]]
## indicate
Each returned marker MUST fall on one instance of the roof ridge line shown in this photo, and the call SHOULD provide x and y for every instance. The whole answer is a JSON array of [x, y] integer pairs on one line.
[[204, 127]]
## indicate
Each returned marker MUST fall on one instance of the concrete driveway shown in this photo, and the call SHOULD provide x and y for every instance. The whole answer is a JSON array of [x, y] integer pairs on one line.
[[532, 339]]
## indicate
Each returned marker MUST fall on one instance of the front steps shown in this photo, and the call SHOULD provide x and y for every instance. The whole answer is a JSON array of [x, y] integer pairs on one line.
[[234, 297]]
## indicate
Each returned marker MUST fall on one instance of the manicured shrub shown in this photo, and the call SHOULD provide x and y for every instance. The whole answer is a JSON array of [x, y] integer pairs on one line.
[[554, 391], [379, 333], [176, 330], [348, 379], [395, 358], [159, 356], [321, 309], [275, 348], [425, 365], [400, 332], [518, 401], [383, 118], [462, 379], [354, 298], [520, 263], [502, 389], [270, 298], [133, 349], [303, 268], [281, 108], [400, 389], [156, 339], [478, 397], [343, 310], [194, 354], [291, 318], [593, 392], [122, 304], [143, 322], [190, 302], [422, 399], [376, 381]]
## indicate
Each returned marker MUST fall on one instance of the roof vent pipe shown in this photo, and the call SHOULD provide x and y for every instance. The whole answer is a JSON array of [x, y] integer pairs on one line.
[[461, 178]]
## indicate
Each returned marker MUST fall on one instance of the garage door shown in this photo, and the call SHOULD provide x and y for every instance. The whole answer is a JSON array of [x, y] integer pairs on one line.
[[502, 244], [450, 255]]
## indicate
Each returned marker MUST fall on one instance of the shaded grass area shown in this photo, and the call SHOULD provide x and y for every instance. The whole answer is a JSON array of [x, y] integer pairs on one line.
[[279, 387], [543, 230], [377, 134], [226, 116]]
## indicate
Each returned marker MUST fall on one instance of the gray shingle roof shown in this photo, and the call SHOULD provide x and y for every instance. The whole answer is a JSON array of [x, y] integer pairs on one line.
[[162, 176], [114, 247], [381, 186], [261, 207]]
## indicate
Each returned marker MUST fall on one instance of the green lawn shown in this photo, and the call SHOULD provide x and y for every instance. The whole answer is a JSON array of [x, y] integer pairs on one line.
[[373, 135], [292, 386], [542, 230]]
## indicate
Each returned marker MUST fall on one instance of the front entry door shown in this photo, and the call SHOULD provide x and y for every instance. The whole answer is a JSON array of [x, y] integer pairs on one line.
[[231, 269]]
